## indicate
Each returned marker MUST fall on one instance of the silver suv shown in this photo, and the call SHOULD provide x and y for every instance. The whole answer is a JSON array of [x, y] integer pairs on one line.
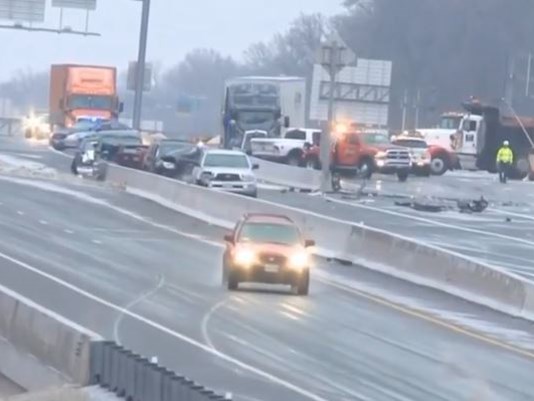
[[226, 170]]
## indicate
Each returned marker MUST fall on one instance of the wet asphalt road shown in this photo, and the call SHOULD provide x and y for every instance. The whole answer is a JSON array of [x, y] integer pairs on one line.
[[356, 337]]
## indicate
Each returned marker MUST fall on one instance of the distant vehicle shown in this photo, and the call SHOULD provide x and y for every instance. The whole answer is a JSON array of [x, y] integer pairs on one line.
[[420, 152], [251, 104], [288, 149], [154, 162], [269, 249], [36, 126], [107, 146], [226, 170], [363, 153], [82, 91], [69, 138]]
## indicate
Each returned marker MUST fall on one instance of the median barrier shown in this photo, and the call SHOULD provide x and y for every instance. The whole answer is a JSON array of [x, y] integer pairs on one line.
[[290, 176], [376, 249], [39, 348]]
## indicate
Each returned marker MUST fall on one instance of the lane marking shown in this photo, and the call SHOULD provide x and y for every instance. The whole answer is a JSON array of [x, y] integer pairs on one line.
[[96, 241], [431, 222], [417, 313], [289, 315], [133, 303], [67, 231], [188, 340], [507, 213], [204, 325], [397, 307], [43, 222], [20, 213]]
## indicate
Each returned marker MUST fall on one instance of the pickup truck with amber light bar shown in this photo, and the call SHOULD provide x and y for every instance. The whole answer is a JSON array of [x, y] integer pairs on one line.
[[268, 249]]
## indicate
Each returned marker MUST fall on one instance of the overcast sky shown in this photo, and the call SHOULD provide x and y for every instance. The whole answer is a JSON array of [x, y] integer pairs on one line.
[[176, 27]]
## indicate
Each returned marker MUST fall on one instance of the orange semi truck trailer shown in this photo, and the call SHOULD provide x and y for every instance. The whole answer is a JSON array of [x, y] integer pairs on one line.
[[82, 91]]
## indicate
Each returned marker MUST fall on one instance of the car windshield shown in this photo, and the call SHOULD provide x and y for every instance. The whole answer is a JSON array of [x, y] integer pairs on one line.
[[375, 138], [166, 148], [226, 160], [411, 143], [269, 232]]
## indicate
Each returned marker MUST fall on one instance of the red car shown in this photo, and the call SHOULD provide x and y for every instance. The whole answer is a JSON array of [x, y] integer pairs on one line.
[[265, 248]]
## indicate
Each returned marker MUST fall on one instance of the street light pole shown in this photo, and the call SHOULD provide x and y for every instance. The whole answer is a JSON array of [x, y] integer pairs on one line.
[[330, 56], [140, 70]]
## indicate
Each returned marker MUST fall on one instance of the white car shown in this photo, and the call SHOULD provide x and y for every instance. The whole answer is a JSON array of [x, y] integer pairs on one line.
[[226, 170]]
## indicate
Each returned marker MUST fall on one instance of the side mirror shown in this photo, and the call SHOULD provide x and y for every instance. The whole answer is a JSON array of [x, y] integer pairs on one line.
[[229, 238], [255, 166], [121, 107], [309, 243], [287, 122]]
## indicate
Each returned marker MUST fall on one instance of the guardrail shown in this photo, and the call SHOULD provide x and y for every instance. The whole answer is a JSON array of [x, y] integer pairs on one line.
[[40, 349], [135, 378], [376, 249]]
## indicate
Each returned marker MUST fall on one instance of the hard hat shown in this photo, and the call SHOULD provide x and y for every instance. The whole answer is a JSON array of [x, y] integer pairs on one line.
[[506, 143]]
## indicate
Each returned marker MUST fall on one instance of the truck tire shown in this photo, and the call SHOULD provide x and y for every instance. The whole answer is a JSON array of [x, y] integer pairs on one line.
[[294, 158], [233, 282], [303, 286], [439, 165], [403, 175], [522, 167]]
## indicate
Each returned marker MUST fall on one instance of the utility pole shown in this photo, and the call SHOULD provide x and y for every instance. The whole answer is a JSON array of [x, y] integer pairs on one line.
[[529, 71], [140, 70], [404, 109], [417, 108], [334, 56]]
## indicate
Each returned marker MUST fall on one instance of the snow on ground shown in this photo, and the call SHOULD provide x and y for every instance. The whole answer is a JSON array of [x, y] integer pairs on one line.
[[12, 165]]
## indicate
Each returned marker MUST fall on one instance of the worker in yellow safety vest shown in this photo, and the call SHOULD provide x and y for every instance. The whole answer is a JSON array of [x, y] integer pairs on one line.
[[505, 159]]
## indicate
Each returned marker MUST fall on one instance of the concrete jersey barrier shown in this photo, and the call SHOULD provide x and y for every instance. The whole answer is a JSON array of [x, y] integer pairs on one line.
[[39, 348], [293, 177], [376, 249]]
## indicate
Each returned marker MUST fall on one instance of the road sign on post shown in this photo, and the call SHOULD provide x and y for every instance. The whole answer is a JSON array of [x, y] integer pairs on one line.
[[79, 4], [132, 77], [22, 10], [334, 55]]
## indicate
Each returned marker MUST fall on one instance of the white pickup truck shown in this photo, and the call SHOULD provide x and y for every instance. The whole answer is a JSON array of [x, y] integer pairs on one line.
[[288, 149]]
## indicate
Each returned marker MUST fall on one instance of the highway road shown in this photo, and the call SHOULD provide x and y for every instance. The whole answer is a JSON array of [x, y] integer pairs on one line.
[[501, 236], [150, 278]]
